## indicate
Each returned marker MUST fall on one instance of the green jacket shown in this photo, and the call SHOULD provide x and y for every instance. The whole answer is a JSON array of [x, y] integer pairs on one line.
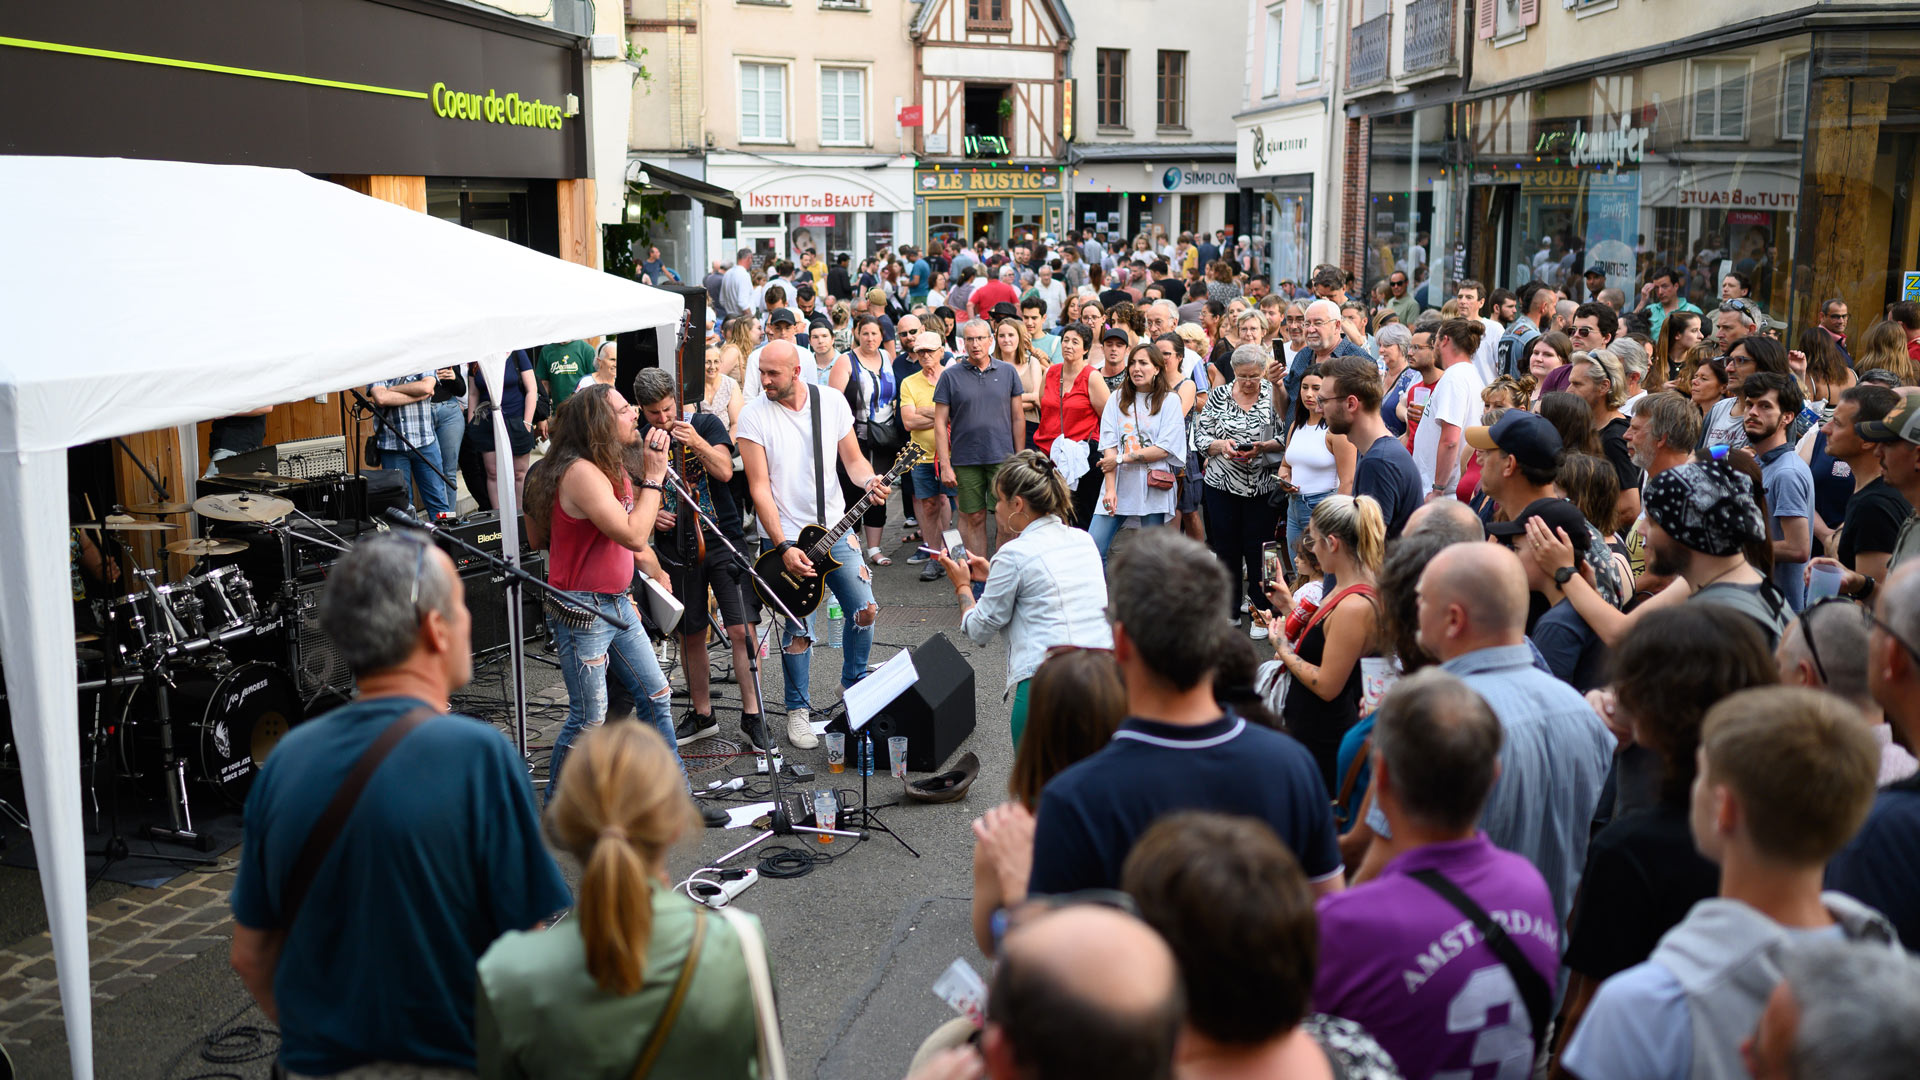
[[541, 1015]]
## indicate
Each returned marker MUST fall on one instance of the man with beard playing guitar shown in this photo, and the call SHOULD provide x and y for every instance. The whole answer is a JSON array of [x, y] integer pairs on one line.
[[788, 438]]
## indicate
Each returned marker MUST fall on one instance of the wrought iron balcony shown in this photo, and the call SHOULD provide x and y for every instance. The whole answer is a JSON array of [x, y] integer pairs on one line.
[[1367, 52], [1429, 35]]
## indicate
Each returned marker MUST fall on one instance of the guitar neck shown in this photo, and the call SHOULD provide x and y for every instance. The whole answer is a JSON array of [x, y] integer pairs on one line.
[[859, 508]]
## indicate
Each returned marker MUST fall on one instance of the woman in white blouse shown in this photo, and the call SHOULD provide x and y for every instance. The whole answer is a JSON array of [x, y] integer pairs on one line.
[[1045, 586], [1141, 430]]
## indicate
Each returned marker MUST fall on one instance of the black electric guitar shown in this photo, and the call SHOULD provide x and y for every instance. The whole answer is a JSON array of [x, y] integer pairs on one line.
[[778, 585]]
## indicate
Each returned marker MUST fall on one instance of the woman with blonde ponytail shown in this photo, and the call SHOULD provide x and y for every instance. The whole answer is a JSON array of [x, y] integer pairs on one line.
[[586, 997], [1045, 586], [1348, 536]]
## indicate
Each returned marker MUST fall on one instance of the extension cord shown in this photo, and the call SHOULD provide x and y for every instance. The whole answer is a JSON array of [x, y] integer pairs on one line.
[[719, 893]]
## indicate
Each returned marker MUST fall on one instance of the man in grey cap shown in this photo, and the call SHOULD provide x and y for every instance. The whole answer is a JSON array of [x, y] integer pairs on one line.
[[1897, 444], [1700, 517]]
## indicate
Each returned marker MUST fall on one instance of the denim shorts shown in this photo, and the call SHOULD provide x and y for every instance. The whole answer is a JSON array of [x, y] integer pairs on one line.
[[926, 481]]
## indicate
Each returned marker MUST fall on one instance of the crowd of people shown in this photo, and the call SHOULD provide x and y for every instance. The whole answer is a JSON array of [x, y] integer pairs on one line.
[[1334, 754]]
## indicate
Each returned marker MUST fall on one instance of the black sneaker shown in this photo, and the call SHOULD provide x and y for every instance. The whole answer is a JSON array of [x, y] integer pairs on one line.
[[932, 571], [754, 727], [715, 817], [695, 726]]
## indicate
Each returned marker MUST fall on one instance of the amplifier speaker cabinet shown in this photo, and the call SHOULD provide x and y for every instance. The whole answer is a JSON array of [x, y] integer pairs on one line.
[[936, 713], [486, 602], [640, 348]]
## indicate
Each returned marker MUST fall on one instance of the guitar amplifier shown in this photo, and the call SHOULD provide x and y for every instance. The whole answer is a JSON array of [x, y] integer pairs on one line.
[[487, 603], [483, 531]]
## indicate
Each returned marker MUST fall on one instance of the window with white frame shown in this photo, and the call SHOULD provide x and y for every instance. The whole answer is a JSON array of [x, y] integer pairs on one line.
[[763, 102], [1313, 27], [843, 106], [1275, 23], [1793, 97], [1720, 99]]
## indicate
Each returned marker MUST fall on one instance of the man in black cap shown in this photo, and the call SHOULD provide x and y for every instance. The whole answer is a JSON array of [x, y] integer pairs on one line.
[[1519, 458], [782, 325], [1893, 440], [1002, 310], [1573, 652], [1700, 517]]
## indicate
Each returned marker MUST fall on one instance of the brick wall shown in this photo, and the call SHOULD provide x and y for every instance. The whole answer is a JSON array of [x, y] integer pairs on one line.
[[1353, 199]]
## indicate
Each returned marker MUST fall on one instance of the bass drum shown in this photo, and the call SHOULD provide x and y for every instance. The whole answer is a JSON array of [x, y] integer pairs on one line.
[[225, 723]]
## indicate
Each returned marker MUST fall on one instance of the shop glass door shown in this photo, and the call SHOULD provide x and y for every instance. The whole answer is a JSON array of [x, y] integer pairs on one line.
[[988, 225]]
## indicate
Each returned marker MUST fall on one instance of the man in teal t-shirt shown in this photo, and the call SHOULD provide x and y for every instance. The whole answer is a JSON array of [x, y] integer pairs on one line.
[[562, 367]]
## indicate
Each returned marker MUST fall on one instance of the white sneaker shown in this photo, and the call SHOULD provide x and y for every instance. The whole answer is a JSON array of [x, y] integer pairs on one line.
[[1259, 633], [800, 729]]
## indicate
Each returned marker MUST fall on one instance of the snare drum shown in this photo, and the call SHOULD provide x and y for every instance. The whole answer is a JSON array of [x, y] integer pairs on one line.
[[226, 600], [129, 624]]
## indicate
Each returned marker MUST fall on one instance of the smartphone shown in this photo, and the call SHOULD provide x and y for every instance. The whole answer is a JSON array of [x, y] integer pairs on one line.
[[1287, 486], [956, 550], [1244, 447], [1271, 555]]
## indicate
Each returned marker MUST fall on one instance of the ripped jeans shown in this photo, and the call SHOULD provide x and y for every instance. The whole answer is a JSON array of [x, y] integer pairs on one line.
[[587, 655], [850, 586]]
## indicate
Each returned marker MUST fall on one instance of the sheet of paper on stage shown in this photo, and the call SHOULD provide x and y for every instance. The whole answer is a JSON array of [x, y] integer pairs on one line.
[[867, 697], [739, 817]]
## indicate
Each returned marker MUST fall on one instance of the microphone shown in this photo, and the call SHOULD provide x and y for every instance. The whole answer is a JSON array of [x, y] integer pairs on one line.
[[402, 518]]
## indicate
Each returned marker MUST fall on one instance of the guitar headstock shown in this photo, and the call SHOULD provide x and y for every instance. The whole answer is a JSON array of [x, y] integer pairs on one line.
[[910, 455]]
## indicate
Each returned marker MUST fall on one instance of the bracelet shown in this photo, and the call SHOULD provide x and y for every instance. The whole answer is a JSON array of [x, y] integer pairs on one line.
[[1867, 589]]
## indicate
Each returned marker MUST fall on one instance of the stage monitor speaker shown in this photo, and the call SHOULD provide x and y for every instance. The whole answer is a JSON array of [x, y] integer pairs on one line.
[[936, 713], [640, 348], [486, 602]]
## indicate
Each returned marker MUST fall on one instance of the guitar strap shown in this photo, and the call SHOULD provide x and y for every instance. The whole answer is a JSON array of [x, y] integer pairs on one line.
[[819, 458]]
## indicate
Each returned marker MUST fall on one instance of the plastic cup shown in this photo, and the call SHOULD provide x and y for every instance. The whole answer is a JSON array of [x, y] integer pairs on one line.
[[826, 811], [836, 752], [897, 755], [1824, 581]]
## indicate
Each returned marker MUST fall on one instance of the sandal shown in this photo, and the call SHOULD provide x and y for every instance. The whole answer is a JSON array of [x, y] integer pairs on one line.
[[878, 558]]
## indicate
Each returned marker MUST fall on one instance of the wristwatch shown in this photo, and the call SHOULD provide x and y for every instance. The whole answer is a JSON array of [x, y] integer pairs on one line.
[[1564, 575]]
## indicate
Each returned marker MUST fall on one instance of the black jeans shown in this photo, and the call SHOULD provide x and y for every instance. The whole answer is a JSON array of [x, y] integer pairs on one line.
[[1237, 525]]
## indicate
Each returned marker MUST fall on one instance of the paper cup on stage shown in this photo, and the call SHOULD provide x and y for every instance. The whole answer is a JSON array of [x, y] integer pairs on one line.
[[1824, 581], [836, 752], [897, 755], [826, 812]]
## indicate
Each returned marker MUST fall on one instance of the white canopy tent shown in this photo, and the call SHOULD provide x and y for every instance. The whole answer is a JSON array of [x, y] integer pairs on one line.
[[207, 290]]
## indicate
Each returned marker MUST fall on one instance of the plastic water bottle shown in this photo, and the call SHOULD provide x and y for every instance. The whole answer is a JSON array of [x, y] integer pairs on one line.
[[836, 624], [866, 755]]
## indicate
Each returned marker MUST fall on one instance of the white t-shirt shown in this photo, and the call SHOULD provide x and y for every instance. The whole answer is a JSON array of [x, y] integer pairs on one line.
[[1455, 400], [1486, 359], [786, 435]]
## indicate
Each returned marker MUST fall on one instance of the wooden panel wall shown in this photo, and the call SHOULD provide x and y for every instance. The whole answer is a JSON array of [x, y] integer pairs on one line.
[[1846, 202], [579, 235]]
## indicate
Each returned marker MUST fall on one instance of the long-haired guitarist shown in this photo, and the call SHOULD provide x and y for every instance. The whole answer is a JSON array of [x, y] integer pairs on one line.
[[794, 486]]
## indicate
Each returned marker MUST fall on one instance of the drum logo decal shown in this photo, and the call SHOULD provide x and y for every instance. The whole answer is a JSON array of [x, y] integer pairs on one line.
[[222, 742]]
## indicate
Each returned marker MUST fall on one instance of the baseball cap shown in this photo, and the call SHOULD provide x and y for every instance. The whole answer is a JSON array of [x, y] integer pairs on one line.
[[1529, 437], [781, 317], [1903, 423], [1557, 514], [1114, 333], [926, 340]]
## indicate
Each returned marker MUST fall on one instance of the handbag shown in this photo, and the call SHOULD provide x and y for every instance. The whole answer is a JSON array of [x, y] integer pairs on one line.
[[887, 435], [773, 1051], [1159, 479]]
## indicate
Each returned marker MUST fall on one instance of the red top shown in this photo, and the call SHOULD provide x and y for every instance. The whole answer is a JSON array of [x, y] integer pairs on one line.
[[1082, 423], [584, 559]]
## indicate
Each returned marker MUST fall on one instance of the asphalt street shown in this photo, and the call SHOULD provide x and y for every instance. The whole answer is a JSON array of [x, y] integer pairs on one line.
[[856, 944]]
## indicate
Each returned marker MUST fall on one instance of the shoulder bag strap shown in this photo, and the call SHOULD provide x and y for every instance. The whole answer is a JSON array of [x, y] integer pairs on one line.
[[819, 458], [1348, 782], [1327, 605], [334, 818], [1533, 989], [773, 1051], [664, 1025]]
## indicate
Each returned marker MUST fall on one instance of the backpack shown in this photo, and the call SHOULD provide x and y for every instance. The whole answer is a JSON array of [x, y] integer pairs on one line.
[[1515, 344]]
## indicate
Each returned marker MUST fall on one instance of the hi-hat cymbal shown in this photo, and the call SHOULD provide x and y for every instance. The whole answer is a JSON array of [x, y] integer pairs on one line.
[[262, 477], [130, 526], [157, 508], [242, 507], [83, 638], [207, 547]]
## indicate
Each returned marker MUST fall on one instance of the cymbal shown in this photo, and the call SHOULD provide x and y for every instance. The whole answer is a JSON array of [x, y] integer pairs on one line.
[[242, 507], [207, 547], [83, 638], [130, 526], [160, 508], [263, 477]]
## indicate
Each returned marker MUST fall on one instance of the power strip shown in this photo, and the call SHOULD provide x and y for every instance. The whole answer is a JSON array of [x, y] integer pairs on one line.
[[715, 887]]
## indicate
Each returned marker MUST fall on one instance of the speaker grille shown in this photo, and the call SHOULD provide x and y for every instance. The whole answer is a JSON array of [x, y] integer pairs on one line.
[[317, 667]]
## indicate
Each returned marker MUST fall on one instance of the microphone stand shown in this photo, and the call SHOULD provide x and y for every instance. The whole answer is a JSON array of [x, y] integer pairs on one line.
[[779, 822], [504, 567], [387, 425]]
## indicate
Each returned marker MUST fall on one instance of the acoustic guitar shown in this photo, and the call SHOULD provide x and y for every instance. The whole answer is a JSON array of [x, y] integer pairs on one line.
[[778, 585]]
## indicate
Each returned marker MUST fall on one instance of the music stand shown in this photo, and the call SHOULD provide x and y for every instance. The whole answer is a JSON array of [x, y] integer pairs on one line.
[[869, 820]]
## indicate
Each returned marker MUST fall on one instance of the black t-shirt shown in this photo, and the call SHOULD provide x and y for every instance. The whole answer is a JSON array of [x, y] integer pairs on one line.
[[1387, 472], [238, 433], [1172, 289], [1874, 516], [1613, 443], [714, 429], [1643, 874], [1114, 296]]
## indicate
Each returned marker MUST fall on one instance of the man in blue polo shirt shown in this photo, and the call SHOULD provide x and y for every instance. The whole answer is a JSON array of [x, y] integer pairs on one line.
[[1176, 751], [978, 423], [440, 855]]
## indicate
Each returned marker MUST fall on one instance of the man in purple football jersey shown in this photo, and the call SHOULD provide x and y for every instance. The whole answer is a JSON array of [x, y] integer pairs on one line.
[[1407, 955]]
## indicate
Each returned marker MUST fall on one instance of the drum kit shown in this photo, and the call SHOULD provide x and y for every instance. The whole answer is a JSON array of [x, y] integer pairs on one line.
[[172, 707]]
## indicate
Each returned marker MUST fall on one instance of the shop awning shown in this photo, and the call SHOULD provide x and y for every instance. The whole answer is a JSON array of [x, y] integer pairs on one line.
[[1101, 152], [654, 180]]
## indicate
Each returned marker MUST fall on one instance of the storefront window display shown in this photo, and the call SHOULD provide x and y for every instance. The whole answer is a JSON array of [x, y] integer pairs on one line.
[[1410, 202], [1283, 224], [1693, 163]]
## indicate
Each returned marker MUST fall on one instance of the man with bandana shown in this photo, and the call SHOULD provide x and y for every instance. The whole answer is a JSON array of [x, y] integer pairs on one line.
[[1700, 517]]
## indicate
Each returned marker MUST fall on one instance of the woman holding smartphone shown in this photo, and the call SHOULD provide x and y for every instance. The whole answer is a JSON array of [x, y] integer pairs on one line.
[[1141, 431]]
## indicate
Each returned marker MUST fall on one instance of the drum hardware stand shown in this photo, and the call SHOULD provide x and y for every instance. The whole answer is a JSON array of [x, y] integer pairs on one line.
[[514, 577], [779, 822]]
